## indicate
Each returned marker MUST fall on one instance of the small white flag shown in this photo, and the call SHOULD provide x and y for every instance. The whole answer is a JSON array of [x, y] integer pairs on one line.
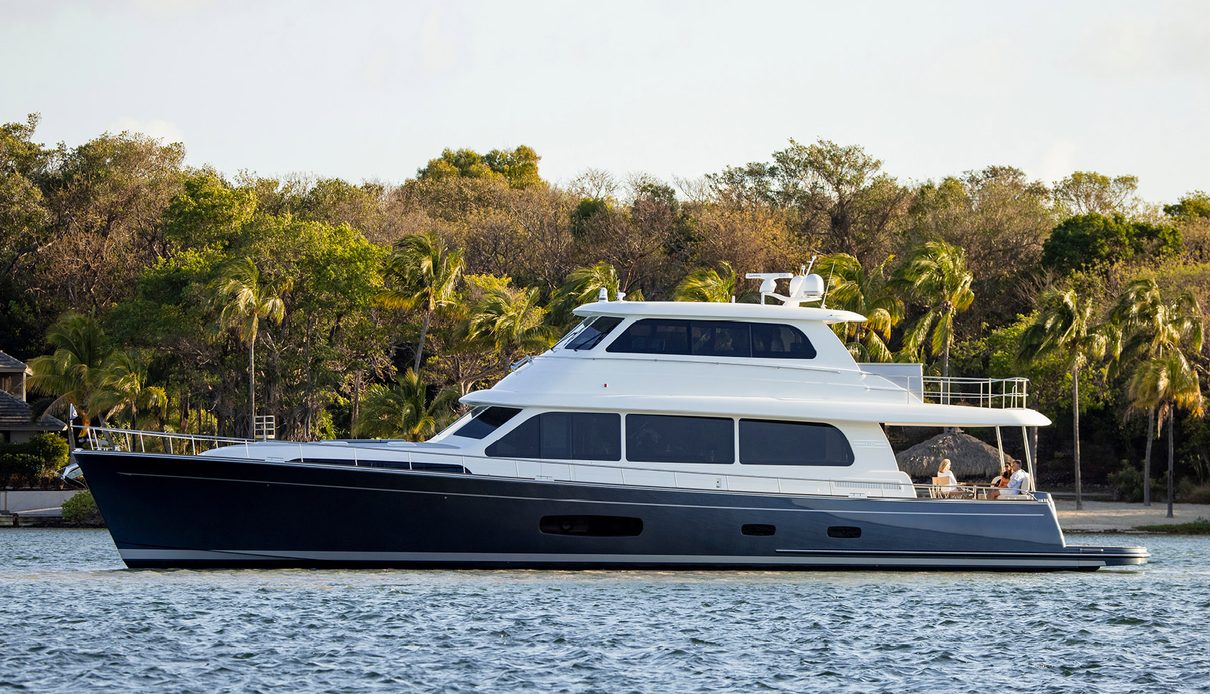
[[71, 411]]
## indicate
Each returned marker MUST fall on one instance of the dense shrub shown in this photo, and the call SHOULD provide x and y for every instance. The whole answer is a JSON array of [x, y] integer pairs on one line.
[[37, 460], [81, 509], [1128, 481], [1191, 492]]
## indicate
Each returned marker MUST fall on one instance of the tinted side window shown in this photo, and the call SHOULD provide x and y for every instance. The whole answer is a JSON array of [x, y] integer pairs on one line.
[[563, 436], [774, 341], [764, 442], [713, 339], [594, 332], [719, 339], [653, 336], [669, 439], [486, 421]]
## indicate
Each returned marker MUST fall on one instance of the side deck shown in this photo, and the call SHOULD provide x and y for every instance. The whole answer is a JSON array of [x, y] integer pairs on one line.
[[400, 455]]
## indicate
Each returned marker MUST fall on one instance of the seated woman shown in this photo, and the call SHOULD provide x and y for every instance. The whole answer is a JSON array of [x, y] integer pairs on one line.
[[1000, 482], [946, 476]]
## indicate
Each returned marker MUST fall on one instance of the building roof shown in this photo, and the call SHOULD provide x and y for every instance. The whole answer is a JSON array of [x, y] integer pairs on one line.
[[16, 415], [8, 363]]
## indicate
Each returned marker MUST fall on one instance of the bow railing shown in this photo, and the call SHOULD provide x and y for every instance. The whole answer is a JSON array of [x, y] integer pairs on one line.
[[140, 441]]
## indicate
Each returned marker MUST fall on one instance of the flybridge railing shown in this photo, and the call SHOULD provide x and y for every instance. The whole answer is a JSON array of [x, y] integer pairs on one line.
[[1002, 393], [977, 392], [139, 441]]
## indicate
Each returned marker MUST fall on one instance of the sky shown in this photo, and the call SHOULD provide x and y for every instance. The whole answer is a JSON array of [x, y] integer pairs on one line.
[[372, 90]]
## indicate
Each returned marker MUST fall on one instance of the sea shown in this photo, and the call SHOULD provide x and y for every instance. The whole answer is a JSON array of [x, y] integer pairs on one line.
[[73, 618]]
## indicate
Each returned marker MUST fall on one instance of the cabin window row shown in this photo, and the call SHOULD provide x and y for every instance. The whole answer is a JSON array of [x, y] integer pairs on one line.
[[672, 439], [712, 338]]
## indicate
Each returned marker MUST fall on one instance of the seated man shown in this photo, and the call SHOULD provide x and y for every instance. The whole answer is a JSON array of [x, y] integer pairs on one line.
[[1018, 483]]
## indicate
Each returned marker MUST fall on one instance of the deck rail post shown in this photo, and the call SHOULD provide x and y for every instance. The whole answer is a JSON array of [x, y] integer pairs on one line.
[[1029, 463]]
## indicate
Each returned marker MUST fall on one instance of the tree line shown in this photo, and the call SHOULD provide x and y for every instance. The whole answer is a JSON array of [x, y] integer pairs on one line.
[[161, 295]]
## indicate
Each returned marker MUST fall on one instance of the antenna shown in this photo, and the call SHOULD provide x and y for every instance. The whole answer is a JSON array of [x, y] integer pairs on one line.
[[823, 299]]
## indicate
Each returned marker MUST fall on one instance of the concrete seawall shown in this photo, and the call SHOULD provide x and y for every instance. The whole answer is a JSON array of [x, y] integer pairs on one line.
[[32, 507]]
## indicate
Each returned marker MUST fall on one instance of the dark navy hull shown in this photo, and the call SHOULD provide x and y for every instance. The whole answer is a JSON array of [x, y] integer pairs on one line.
[[176, 511]]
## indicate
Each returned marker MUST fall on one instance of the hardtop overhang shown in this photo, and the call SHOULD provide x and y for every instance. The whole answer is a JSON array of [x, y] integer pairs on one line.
[[716, 311], [896, 414]]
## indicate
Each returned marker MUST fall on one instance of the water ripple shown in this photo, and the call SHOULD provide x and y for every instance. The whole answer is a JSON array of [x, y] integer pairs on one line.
[[74, 619]]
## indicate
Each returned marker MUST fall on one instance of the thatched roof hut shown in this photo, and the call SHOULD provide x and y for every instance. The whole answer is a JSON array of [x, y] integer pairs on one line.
[[970, 458]]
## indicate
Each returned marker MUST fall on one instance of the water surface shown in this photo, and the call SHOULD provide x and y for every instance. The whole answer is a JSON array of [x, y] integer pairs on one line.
[[73, 617]]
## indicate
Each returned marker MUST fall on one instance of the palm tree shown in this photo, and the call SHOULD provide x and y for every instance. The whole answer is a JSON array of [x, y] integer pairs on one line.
[[935, 275], [125, 375], [851, 288], [246, 300], [1064, 326], [512, 320], [74, 373], [1152, 327], [1166, 383], [426, 273], [583, 285], [709, 284], [403, 409]]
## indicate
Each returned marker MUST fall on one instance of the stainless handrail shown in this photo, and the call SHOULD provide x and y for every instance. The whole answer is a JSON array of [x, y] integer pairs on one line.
[[1004, 393], [110, 438], [680, 479]]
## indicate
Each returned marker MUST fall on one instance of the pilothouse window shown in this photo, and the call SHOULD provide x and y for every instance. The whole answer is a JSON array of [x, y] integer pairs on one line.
[[594, 331], [485, 422], [713, 338], [563, 436]]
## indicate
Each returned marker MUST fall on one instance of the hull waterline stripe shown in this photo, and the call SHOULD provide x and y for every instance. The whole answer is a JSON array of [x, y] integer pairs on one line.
[[840, 512], [166, 555]]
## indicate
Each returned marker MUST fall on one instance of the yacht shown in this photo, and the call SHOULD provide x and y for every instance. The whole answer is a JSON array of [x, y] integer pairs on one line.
[[653, 435]]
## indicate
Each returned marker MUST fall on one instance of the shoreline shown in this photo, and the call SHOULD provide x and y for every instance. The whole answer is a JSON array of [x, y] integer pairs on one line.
[[1121, 517]]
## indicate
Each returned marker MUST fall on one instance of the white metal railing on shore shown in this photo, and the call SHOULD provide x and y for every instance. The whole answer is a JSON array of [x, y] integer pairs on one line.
[[139, 441]]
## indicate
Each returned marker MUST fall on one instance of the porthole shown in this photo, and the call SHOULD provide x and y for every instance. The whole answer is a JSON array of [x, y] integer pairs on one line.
[[758, 529]]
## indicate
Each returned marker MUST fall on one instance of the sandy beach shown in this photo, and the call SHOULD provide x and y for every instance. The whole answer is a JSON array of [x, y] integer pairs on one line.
[[1108, 516]]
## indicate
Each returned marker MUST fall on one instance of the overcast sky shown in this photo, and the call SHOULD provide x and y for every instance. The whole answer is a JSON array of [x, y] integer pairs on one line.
[[371, 90]]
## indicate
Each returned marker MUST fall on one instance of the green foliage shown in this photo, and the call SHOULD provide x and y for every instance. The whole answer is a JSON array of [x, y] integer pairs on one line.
[[936, 277], [422, 275], [404, 410], [207, 212], [870, 294], [1128, 481], [585, 211], [708, 284], [519, 168], [1094, 240], [81, 510], [75, 372], [511, 320], [484, 260], [837, 194], [1089, 192], [1195, 205], [1201, 526], [37, 460]]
